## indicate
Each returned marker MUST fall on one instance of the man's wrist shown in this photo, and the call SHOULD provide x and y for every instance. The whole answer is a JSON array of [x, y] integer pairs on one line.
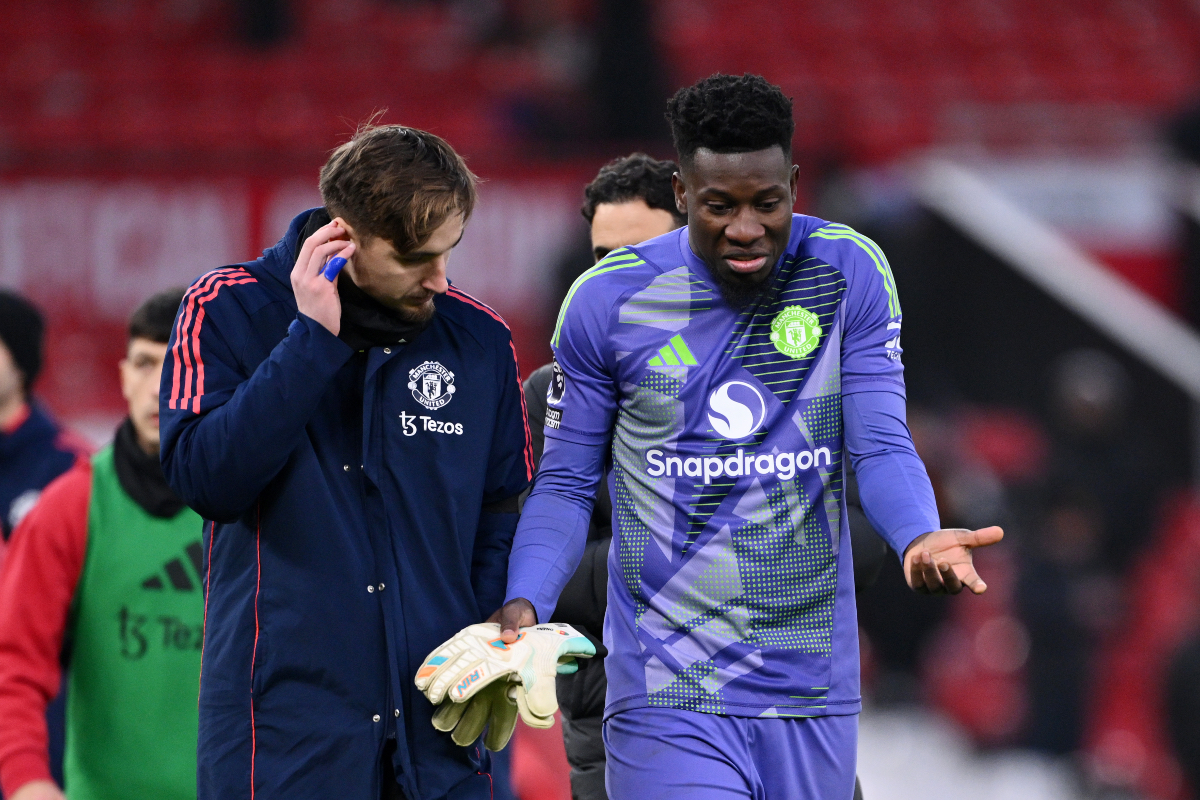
[[23, 767]]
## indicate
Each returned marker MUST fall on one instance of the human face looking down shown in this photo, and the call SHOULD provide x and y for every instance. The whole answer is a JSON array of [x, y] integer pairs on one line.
[[739, 209], [629, 222], [407, 282], [141, 373]]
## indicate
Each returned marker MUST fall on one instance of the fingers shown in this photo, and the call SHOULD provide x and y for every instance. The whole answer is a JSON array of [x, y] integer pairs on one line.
[[324, 243], [950, 579], [982, 537], [514, 615]]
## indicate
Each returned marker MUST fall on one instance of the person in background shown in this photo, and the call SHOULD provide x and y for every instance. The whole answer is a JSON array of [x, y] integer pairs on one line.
[[110, 561], [630, 201], [34, 449]]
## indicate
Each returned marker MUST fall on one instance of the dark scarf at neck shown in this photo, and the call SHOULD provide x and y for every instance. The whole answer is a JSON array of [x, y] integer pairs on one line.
[[366, 322], [141, 476]]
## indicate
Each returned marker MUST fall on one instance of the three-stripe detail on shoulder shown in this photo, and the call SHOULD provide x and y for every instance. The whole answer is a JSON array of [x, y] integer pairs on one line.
[[459, 294], [834, 231], [617, 259], [187, 378]]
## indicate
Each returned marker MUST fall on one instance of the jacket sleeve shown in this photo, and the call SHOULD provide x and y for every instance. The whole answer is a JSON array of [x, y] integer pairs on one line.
[[37, 584], [510, 469], [228, 430]]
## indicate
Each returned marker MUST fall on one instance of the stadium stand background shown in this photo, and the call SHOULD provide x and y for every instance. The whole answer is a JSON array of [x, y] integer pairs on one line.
[[143, 142]]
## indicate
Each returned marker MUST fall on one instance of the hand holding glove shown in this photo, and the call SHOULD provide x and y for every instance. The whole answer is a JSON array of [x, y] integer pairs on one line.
[[476, 670]]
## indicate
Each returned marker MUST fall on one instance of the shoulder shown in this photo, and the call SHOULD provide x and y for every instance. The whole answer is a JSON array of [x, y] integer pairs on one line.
[[68, 495], [621, 272], [840, 245], [224, 290], [860, 260], [471, 314]]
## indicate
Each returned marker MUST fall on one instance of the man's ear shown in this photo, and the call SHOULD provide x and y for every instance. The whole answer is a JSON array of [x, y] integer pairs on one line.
[[680, 193], [350, 233], [793, 182]]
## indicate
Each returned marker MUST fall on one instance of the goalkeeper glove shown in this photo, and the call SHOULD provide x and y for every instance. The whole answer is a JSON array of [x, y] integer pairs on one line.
[[477, 657], [491, 707]]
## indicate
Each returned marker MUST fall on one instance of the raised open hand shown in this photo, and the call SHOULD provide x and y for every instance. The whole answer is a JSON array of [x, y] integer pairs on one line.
[[940, 562]]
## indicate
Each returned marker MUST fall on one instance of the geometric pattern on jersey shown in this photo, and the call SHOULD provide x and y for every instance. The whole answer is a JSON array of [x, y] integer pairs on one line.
[[727, 459], [767, 578]]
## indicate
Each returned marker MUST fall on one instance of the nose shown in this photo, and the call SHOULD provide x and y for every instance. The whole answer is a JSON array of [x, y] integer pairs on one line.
[[745, 228], [435, 276]]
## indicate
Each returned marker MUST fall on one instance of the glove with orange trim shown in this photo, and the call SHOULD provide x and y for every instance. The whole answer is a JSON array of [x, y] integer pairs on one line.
[[465, 666]]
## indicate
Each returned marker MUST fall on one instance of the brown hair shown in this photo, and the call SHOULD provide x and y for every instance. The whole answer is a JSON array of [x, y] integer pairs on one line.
[[397, 183]]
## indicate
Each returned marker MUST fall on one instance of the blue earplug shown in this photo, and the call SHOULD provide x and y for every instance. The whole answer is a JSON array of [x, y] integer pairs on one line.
[[332, 269]]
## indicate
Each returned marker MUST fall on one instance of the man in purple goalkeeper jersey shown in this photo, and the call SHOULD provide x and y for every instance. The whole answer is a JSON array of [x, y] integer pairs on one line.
[[728, 369]]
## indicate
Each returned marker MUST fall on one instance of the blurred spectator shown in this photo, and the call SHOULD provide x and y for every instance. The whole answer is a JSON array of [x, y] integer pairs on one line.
[[1100, 450], [1066, 600], [33, 448], [110, 560]]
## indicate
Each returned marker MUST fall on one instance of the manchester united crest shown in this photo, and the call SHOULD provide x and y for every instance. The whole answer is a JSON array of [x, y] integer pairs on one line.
[[432, 385]]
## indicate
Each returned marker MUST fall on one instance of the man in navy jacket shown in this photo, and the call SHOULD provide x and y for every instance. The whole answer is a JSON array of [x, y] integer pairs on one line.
[[358, 445]]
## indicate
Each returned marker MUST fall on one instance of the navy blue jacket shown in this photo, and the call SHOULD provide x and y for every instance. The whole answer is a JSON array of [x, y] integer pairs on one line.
[[348, 540], [30, 457]]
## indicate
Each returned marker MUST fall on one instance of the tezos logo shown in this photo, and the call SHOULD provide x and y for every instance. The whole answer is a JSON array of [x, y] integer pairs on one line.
[[432, 384], [737, 410], [795, 331]]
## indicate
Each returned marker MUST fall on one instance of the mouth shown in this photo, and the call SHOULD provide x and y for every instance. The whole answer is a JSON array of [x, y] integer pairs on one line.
[[746, 263]]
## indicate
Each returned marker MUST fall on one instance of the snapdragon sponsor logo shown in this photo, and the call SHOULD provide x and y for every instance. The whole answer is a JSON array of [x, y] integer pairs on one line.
[[782, 465], [736, 410]]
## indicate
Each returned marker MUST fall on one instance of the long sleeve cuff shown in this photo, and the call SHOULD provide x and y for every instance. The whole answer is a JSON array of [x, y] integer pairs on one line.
[[19, 768]]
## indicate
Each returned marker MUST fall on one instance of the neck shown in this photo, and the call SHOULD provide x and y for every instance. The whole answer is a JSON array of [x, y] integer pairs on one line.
[[147, 446], [12, 410]]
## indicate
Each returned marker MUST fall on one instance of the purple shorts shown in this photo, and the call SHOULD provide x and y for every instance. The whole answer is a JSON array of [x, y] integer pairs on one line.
[[668, 753]]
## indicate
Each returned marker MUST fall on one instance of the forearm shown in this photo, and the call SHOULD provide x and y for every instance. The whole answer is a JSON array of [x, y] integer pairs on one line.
[[552, 533], [36, 589], [220, 461], [896, 494], [489, 562]]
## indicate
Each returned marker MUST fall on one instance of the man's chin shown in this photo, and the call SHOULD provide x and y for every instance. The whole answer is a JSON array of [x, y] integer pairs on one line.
[[417, 313], [742, 290]]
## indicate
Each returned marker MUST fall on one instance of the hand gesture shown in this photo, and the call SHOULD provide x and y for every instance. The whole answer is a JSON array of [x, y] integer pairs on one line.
[[940, 562], [317, 296]]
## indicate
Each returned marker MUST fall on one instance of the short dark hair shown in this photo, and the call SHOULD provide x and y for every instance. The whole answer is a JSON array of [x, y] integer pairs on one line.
[[397, 183], [154, 318], [634, 177], [730, 114]]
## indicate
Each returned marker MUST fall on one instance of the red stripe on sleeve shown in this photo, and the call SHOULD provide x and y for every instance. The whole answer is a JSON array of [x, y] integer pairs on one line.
[[181, 353], [459, 294], [193, 362]]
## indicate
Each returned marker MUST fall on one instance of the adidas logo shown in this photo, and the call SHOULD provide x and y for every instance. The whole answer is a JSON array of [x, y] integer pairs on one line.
[[177, 574], [673, 354]]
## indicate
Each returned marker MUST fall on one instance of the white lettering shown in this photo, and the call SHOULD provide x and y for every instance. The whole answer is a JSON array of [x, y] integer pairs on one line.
[[786, 464], [783, 465]]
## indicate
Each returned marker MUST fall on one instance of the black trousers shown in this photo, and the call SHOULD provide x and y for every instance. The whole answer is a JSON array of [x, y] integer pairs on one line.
[[584, 743]]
